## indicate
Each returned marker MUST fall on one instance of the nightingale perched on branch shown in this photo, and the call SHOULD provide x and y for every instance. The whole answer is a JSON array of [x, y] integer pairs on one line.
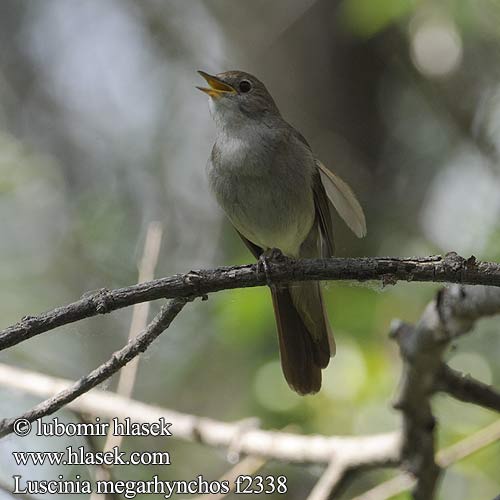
[[277, 195]]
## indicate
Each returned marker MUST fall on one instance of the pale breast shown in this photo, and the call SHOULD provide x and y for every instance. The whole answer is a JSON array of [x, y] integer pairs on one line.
[[265, 189]]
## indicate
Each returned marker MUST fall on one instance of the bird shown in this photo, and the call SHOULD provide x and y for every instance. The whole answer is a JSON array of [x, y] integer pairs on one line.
[[277, 195]]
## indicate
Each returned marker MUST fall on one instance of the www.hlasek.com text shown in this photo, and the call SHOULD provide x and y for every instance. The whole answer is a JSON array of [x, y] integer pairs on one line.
[[81, 456]]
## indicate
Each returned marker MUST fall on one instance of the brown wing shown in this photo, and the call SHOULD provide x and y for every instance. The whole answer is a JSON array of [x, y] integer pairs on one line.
[[343, 199], [324, 216], [321, 203]]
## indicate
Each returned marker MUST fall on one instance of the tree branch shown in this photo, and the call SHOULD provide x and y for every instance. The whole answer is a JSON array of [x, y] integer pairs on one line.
[[451, 268], [467, 389], [382, 449], [118, 359], [422, 346]]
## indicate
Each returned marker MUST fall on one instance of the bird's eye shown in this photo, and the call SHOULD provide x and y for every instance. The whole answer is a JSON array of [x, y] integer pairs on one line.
[[245, 86]]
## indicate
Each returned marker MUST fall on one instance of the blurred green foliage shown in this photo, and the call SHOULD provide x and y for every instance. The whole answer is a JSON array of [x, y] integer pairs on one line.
[[366, 18]]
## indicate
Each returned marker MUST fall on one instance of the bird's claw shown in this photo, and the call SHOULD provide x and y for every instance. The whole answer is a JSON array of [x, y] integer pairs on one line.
[[263, 267], [192, 277], [276, 255], [265, 259]]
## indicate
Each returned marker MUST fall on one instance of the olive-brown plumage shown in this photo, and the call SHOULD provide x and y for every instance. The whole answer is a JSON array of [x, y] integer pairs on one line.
[[278, 195]]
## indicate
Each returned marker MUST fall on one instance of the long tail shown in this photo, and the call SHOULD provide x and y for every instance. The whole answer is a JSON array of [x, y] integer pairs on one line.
[[305, 339]]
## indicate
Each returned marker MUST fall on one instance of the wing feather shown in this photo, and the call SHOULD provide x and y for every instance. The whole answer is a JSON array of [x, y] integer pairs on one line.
[[324, 217], [344, 200]]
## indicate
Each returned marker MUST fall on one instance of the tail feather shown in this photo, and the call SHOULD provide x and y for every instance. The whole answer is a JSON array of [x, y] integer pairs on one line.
[[303, 336], [308, 301]]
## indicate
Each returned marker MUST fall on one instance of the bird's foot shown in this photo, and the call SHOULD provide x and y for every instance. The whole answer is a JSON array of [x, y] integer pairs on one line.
[[276, 255], [265, 259], [263, 267]]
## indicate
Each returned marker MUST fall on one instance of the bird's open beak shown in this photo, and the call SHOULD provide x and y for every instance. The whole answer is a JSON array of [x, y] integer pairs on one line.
[[217, 87]]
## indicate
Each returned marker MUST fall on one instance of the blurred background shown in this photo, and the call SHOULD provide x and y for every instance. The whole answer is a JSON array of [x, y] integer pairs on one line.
[[102, 131]]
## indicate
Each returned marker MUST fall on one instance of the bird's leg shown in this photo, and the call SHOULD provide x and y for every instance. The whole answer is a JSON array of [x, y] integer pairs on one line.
[[263, 266], [265, 259]]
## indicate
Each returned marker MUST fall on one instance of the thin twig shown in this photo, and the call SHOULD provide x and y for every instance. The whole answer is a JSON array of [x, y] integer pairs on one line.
[[467, 389], [140, 313], [95, 377], [469, 445], [330, 478], [451, 268], [392, 487]]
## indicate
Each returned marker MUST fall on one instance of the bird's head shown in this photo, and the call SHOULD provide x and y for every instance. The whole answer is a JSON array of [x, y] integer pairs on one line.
[[237, 97]]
